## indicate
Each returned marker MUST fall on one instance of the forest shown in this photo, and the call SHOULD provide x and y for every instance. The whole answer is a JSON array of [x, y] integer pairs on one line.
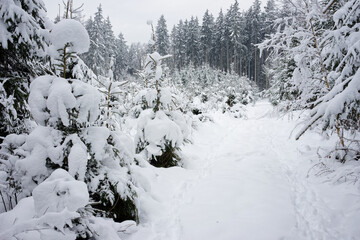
[[216, 128]]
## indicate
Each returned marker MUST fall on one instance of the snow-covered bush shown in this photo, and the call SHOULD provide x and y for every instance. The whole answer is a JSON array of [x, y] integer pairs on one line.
[[70, 137], [70, 134], [58, 209], [208, 88], [160, 138]]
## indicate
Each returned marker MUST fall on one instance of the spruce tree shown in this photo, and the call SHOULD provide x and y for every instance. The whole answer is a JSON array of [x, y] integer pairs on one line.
[[121, 57], [162, 36], [219, 43], [96, 56], [206, 38]]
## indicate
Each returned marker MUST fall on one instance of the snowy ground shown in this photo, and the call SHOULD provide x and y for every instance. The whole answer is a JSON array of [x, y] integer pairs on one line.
[[247, 179]]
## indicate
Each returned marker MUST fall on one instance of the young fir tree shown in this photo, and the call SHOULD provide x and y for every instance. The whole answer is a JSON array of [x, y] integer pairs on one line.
[[70, 134], [159, 134]]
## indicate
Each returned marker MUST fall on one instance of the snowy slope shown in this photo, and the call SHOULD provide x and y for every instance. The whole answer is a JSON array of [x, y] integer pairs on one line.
[[247, 179]]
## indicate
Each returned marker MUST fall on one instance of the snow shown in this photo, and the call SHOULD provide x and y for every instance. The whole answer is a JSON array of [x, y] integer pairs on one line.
[[158, 128], [97, 138], [248, 179], [49, 213], [88, 101], [60, 99], [78, 161], [51, 99], [38, 90], [23, 211], [33, 166], [165, 96], [70, 31], [5, 35], [58, 192]]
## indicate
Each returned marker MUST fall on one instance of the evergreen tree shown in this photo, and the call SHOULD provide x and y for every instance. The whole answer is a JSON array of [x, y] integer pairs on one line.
[[269, 16], [321, 67], [121, 57], [193, 41], [339, 108], [162, 36], [179, 45], [22, 46], [256, 26], [236, 36], [109, 44], [227, 40], [136, 57], [206, 38], [219, 41], [95, 57]]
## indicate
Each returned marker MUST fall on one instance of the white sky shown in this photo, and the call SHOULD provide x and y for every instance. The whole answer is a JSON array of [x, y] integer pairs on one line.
[[130, 16]]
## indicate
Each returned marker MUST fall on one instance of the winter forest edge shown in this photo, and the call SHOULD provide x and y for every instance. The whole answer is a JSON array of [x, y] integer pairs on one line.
[[88, 121]]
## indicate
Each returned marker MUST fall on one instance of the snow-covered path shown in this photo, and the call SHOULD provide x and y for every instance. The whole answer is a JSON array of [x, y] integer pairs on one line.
[[246, 179]]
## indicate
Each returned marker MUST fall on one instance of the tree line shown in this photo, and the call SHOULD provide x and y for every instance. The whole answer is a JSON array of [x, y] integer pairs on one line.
[[227, 42]]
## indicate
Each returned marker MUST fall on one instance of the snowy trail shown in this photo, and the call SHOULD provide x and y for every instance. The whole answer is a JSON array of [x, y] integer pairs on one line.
[[243, 179]]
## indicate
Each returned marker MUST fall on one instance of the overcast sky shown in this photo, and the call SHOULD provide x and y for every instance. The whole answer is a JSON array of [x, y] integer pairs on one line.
[[130, 16]]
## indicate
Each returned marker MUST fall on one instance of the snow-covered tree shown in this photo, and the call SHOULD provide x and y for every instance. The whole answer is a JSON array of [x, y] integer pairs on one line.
[[339, 107], [22, 50], [192, 34], [206, 38], [297, 39], [121, 64], [322, 43], [161, 128], [219, 41], [95, 57], [70, 134], [162, 36]]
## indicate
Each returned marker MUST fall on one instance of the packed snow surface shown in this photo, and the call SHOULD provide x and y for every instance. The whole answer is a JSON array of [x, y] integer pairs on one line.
[[248, 179]]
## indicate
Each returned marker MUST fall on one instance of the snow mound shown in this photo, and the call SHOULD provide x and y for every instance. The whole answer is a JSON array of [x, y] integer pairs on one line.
[[72, 32], [58, 192]]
